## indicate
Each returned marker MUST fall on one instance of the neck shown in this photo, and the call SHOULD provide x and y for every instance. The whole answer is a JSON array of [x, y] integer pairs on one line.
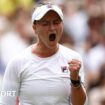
[[43, 51]]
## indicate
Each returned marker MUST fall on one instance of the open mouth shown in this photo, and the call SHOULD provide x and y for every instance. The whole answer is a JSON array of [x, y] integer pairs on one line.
[[52, 37]]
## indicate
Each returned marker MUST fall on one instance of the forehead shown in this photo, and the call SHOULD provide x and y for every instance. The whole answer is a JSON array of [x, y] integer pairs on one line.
[[51, 15]]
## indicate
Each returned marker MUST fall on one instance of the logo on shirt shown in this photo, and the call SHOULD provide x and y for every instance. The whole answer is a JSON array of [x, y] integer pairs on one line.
[[64, 69]]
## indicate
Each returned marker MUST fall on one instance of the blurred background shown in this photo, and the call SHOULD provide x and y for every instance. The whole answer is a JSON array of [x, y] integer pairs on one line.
[[84, 31]]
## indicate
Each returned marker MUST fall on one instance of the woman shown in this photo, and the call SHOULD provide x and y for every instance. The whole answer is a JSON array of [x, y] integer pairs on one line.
[[46, 73]]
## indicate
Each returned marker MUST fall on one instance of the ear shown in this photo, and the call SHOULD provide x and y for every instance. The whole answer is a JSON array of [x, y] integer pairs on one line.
[[34, 26]]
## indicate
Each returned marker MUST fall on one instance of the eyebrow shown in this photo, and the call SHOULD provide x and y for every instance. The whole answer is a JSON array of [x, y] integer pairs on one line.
[[44, 20]]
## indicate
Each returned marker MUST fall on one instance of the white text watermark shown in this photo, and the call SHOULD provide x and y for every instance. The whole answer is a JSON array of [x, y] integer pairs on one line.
[[8, 93]]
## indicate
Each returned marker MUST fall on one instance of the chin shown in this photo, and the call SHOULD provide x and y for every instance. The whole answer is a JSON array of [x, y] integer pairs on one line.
[[53, 45]]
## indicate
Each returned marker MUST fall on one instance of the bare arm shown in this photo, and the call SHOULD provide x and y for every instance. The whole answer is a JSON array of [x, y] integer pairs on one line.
[[78, 93]]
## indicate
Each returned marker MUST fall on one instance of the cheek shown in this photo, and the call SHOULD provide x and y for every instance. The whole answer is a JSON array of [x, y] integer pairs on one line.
[[61, 27], [42, 36], [39, 30], [60, 31]]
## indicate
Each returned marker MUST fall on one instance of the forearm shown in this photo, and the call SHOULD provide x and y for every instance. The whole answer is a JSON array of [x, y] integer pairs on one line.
[[78, 95]]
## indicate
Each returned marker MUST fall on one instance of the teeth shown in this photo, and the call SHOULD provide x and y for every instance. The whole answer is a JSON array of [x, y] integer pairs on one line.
[[52, 37]]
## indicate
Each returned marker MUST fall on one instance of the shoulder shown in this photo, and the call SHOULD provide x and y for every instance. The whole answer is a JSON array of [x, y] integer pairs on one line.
[[21, 58], [67, 52]]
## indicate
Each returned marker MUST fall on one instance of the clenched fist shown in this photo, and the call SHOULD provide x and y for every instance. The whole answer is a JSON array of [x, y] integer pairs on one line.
[[74, 67]]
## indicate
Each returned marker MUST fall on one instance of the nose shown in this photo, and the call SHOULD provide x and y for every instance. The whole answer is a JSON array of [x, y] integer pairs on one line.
[[52, 26]]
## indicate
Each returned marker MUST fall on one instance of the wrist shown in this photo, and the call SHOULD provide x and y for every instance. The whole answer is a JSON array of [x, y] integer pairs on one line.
[[76, 82], [74, 77]]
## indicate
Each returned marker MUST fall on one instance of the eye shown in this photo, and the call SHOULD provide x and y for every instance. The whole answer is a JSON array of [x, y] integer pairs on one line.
[[57, 22], [44, 23]]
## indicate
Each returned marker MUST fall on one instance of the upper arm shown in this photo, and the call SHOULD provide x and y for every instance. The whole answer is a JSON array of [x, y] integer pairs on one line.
[[10, 84]]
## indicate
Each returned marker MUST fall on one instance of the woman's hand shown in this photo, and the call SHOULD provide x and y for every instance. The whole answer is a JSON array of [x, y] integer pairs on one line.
[[74, 67]]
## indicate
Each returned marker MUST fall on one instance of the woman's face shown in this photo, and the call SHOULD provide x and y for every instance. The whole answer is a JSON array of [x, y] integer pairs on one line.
[[49, 29]]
